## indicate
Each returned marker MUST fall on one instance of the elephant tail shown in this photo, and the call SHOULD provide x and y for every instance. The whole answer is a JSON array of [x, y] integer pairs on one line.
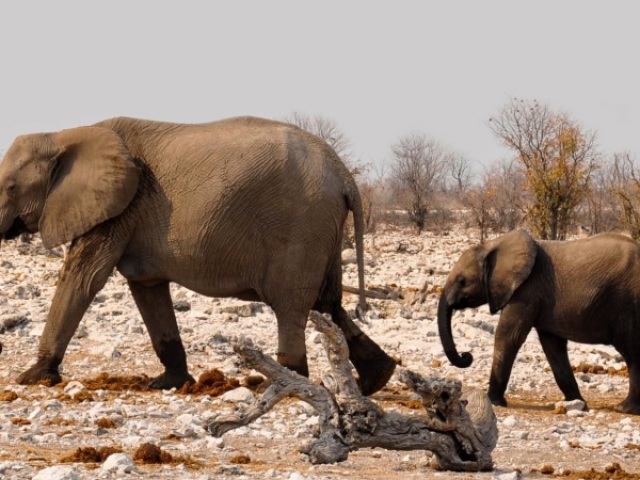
[[354, 201]]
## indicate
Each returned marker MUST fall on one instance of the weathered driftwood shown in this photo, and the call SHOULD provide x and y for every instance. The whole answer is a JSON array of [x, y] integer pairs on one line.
[[460, 430]]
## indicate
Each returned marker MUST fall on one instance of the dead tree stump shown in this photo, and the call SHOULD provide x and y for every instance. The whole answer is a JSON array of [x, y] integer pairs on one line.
[[459, 428]]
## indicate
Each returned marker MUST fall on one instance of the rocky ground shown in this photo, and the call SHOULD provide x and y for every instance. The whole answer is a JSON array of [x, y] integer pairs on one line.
[[103, 422]]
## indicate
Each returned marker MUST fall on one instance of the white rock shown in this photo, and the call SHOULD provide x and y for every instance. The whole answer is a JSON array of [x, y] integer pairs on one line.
[[510, 421], [238, 395], [188, 420], [315, 337], [37, 413], [571, 405], [297, 476], [575, 413], [120, 462], [57, 473], [53, 405], [215, 442], [506, 476], [4, 466], [74, 388]]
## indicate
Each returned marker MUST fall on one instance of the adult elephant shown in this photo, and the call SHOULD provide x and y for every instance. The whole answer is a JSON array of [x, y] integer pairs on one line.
[[586, 291], [243, 207]]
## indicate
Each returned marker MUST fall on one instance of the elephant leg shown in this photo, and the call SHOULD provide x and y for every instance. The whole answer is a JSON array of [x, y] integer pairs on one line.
[[631, 404], [373, 365], [555, 349], [292, 350], [629, 350], [511, 333], [156, 308], [86, 270]]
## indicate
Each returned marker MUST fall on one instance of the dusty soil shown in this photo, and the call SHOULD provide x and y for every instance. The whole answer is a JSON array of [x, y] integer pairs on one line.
[[112, 410]]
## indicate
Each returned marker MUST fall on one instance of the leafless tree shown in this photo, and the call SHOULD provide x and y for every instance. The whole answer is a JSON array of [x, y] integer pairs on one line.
[[625, 181], [419, 164], [328, 130], [460, 169], [496, 202], [558, 155], [602, 209]]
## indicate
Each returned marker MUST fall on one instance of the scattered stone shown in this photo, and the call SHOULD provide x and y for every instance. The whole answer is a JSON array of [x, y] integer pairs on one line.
[[238, 395], [58, 472], [11, 323], [571, 405], [74, 388], [182, 306], [120, 462]]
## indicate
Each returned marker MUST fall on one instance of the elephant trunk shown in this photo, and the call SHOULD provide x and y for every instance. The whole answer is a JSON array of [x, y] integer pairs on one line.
[[445, 312]]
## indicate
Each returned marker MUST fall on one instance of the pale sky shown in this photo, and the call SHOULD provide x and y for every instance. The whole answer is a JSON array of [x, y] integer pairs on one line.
[[380, 70]]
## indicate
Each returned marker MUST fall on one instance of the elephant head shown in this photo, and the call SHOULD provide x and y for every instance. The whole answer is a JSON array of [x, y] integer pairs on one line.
[[486, 273], [63, 184]]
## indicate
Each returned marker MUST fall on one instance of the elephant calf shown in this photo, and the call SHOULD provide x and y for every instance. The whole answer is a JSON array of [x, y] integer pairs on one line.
[[243, 207], [586, 291]]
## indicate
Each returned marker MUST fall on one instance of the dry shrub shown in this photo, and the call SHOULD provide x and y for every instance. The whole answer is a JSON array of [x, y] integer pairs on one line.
[[20, 421], [104, 381], [104, 422], [89, 455], [212, 382], [240, 460], [600, 370], [79, 397], [150, 454], [8, 396], [611, 472], [59, 421], [254, 382], [547, 470]]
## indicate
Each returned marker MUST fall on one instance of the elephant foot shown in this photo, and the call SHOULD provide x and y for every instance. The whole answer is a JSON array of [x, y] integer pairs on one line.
[[373, 365], [497, 400], [300, 366], [40, 373], [169, 380], [628, 406]]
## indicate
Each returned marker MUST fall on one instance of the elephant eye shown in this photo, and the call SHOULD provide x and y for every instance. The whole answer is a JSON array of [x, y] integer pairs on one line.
[[11, 188], [462, 281]]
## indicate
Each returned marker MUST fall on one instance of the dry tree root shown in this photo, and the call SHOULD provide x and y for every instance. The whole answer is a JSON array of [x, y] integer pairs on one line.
[[459, 428]]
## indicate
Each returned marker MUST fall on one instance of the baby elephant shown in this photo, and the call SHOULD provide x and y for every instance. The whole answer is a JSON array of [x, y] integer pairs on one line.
[[586, 291]]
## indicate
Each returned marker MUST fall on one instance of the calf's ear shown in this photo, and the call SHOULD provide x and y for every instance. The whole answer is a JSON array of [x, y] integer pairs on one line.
[[507, 263]]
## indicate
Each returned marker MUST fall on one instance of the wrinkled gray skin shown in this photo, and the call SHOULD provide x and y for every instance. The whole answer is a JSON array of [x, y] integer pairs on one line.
[[244, 207], [586, 291]]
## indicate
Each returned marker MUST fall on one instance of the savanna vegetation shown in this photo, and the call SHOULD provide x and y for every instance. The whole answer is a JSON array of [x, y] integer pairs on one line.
[[556, 182]]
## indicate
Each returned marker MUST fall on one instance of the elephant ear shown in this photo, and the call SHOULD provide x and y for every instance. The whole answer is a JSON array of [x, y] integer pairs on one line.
[[508, 262], [93, 180]]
